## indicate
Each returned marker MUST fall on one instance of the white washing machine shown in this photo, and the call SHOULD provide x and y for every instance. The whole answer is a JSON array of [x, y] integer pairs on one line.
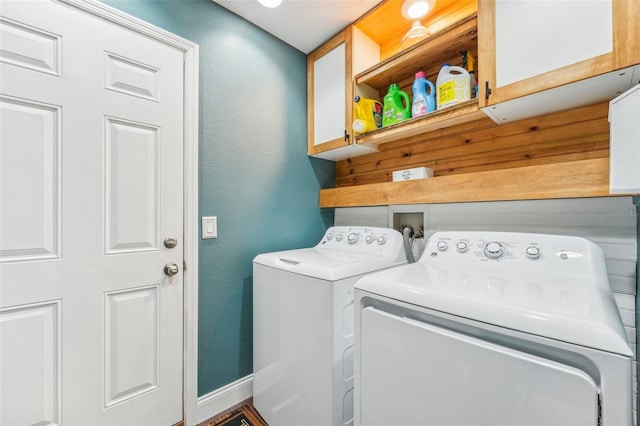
[[303, 324], [492, 329]]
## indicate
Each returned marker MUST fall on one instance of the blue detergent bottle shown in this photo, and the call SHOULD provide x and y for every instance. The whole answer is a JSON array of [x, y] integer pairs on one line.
[[423, 101], [396, 107]]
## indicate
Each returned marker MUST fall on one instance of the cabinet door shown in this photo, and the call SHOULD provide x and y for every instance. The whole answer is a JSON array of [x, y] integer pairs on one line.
[[529, 46], [329, 91]]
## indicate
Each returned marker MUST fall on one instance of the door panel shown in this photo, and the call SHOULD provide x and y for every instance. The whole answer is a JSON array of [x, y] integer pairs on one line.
[[91, 184], [132, 184], [30, 211], [131, 343], [30, 354], [29, 47]]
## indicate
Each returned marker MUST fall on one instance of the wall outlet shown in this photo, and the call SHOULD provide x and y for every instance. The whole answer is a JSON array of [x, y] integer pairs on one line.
[[209, 227]]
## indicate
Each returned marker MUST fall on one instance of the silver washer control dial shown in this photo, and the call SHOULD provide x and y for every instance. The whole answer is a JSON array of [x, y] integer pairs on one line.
[[493, 250], [339, 237], [442, 245], [532, 252], [382, 239], [370, 239], [462, 246], [352, 238], [330, 236]]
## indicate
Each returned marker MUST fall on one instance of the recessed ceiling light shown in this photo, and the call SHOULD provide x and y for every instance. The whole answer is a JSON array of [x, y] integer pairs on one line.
[[270, 3], [415, 9]]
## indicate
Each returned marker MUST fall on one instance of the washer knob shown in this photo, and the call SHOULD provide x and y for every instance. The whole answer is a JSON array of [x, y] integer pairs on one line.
[[442, 245], [339, 237], [382, 239], [369, 239], [532, 252], [493, 250], [352, 238], [462, 246], [330, 236]]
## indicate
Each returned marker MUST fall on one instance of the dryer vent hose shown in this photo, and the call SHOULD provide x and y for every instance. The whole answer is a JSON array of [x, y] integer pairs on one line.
[[407, 233]]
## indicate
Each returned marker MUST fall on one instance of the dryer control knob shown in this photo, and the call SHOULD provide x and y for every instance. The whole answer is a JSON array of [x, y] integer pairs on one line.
[[382, 239], [532, 252], [352, 238], [339, 237], [442, 245], [493, 250], [462, 246], [370, 239]]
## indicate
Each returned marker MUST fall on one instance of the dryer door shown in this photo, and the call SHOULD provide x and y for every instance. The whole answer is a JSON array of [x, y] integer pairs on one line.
[[413, 373]]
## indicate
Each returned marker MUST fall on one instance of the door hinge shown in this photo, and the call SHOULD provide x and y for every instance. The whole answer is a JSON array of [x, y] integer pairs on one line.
[[346, 136], [487, 90], [599, 409]]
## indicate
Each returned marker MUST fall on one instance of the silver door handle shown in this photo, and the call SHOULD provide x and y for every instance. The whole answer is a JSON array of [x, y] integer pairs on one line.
[[170, 242], [171, 269]]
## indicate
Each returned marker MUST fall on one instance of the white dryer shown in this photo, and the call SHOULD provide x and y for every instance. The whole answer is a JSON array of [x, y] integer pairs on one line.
[[303, 321], [492, 329]]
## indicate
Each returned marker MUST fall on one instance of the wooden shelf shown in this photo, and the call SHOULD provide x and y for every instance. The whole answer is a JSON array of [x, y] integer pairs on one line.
[[428, 55], [451, 116], [586, 178]]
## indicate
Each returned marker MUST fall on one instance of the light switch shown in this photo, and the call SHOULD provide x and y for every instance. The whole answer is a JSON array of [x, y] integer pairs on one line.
[[209, 227]]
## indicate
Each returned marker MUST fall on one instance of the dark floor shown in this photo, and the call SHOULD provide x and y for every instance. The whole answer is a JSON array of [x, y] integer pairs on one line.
[[242, 414]]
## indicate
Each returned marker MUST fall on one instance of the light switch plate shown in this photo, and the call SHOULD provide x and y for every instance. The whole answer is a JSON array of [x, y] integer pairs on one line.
[[209, 227]]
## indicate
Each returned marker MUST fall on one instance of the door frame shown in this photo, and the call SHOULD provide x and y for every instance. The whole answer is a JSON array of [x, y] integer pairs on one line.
[[190, 52]]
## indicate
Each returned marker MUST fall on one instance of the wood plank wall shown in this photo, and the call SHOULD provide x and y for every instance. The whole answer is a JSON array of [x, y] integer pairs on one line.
[[481, 145]]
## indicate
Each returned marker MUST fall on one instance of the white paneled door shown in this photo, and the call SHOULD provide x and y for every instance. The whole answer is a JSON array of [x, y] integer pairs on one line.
[[91, 192]]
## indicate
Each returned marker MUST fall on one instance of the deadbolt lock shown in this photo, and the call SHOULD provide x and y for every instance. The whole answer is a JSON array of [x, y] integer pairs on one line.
[[170, 242]]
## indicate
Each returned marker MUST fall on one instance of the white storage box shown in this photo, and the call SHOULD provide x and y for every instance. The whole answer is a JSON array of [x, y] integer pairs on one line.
[[624, 157], [411, 174]]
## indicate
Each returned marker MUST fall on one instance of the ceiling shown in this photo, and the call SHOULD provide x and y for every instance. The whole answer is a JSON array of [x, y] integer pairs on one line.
[[303, 24]]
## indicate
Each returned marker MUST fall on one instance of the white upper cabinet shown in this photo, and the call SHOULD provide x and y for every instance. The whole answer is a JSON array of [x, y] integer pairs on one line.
[[330, 92], [563, 52], [535, 37]]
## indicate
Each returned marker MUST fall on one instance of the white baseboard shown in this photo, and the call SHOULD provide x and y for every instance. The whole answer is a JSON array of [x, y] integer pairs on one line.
[[220, 400]]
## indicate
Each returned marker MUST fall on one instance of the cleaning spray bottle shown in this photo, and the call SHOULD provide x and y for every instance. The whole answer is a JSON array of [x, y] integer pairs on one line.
[[397, 106], [469, 62], [423, 102], [368, 115]]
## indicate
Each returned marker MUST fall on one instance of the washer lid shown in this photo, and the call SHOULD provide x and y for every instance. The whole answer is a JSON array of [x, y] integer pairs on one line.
[[561, 307], [326, 264]]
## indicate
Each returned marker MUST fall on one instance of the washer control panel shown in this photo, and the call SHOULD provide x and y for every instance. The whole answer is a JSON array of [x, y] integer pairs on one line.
[[505, 247], [361, 239]]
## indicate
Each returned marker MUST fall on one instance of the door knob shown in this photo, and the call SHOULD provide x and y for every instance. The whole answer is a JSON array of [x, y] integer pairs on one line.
[[171, 269], [170, 242]]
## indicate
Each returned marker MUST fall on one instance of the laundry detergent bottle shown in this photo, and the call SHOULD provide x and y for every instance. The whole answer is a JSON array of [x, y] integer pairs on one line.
[[368, 113], [453, 86], [424, 100], [396, 106]]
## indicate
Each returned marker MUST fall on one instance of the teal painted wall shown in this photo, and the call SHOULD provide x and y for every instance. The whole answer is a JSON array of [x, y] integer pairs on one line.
[[255, 175]]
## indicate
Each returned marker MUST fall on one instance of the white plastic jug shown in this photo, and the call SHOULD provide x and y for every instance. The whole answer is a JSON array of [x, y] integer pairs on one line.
[[452, 86]]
